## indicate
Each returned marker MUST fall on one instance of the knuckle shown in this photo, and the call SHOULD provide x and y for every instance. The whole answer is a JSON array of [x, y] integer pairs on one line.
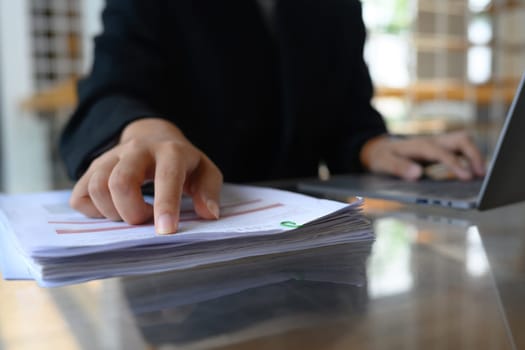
[[95, 163], [97, 185], [175, 149], [132, 145], [121, 181], [101, 162]]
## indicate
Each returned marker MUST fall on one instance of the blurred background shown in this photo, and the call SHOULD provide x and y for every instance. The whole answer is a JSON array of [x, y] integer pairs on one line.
[[436, 66]]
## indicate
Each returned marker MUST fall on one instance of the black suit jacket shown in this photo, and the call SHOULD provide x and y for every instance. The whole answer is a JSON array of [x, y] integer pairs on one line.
[[261, 104]]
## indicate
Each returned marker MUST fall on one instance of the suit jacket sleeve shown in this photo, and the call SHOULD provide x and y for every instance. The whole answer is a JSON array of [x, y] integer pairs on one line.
[[360, 121], [127, 69]]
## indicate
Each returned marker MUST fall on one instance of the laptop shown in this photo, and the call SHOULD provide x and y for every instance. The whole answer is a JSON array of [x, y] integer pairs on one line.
[[504, 182]]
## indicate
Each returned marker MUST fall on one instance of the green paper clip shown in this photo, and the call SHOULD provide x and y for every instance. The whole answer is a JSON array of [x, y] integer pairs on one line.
[[289, 224]]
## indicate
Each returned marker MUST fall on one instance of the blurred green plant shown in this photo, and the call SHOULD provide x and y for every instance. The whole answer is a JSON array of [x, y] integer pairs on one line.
[[388, 16]]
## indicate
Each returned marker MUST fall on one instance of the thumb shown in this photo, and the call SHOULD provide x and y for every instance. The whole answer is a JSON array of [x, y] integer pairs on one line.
[[205, 188]]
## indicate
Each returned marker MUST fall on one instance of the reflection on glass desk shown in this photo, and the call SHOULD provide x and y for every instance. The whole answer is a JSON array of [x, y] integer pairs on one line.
[[434, 278], [254, 297]]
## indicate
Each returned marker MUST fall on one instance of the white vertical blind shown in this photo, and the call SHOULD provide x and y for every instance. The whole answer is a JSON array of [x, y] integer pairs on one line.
[[25, 164]]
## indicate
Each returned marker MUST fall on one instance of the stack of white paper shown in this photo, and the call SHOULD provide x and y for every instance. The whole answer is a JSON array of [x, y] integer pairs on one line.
[[42, 238]]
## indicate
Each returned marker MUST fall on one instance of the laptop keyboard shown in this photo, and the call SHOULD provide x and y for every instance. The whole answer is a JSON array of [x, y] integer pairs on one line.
[[454, 189], [367, 185]]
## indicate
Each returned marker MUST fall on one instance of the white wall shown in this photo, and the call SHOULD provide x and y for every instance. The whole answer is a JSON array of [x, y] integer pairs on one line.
[[25, 146]]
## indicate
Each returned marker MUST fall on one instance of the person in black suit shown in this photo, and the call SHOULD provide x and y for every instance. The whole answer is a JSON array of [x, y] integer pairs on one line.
[[188, 93]]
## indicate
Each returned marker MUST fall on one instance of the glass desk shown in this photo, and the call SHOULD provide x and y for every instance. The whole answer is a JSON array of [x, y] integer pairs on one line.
[[433, 279]]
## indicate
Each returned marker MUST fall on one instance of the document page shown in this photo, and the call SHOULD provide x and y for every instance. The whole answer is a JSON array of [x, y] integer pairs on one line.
[[46, 225]]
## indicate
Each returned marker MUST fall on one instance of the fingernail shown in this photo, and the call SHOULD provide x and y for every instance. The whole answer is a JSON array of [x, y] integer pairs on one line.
[[165, 224], [213, 207], [413, 172]]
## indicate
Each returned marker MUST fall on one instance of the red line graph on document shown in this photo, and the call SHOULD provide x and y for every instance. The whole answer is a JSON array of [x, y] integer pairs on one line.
[[183, 219], [186, 215]]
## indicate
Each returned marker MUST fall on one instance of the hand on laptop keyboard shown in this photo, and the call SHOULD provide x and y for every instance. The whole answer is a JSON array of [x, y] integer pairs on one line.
[[403, 156]]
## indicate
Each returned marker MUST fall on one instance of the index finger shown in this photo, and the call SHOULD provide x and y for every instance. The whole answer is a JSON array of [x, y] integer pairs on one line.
[[170, 175]]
